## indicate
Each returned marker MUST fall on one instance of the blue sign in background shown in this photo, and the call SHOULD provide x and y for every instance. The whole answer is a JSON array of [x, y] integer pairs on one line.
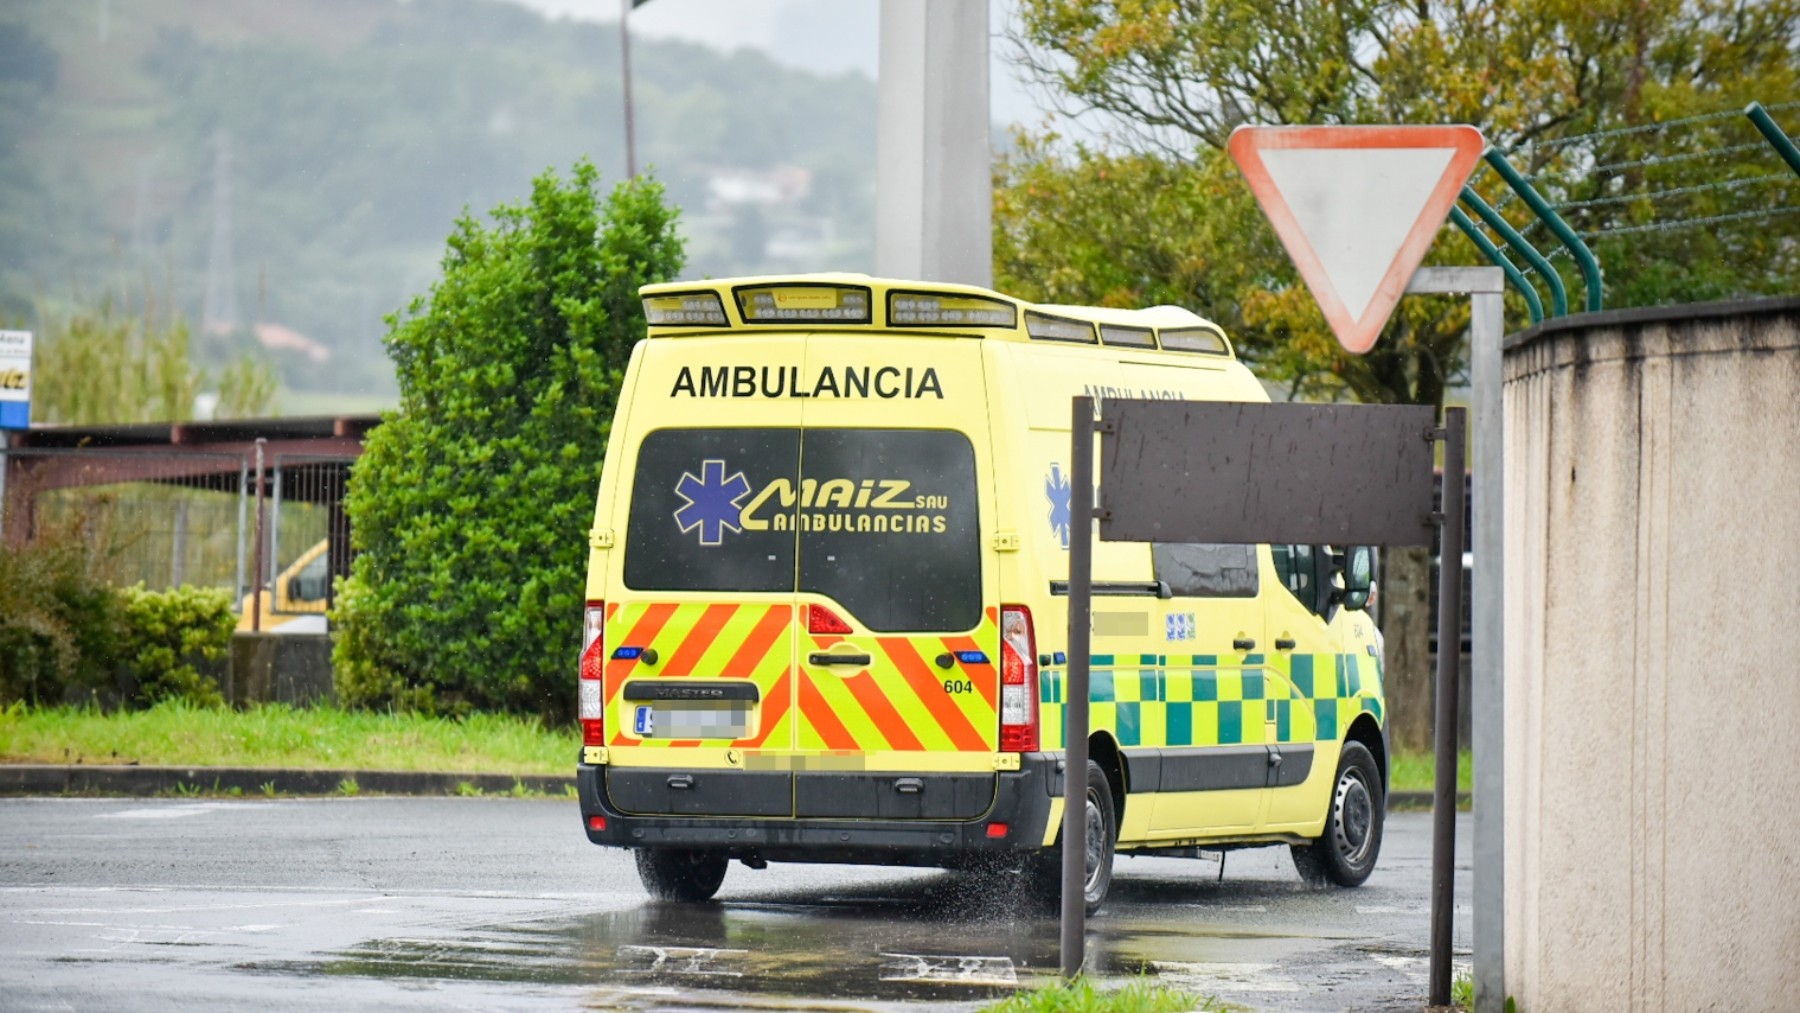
[[15, 379]]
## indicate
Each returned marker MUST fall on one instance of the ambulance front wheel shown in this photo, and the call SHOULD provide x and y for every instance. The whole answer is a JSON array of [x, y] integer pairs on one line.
[[1345, 853], [685, 874]]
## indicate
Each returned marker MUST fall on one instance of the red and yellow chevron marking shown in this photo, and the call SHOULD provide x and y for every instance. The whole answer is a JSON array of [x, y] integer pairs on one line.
[[899, 702], [701, 640]]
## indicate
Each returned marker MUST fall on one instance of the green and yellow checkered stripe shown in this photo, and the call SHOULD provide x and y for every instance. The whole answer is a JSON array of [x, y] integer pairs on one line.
[[1190, 700]]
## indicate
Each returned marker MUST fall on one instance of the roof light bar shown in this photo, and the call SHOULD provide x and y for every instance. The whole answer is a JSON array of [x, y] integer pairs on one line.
[[1194, 339], [1045, 327], [781, 304], [704, 309], [941, 310]]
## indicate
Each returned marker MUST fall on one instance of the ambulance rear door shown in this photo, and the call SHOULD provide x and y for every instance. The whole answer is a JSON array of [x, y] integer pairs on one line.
[[700, 680], [896, 684]]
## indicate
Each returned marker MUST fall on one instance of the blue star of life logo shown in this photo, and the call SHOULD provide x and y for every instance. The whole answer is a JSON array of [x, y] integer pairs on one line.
[[711, 502], [1056, 487]]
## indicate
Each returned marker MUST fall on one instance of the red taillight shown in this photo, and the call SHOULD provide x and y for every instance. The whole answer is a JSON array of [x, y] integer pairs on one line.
[[593, 666], [820, 619], [1018, 681], [596, 823], [995, 831]]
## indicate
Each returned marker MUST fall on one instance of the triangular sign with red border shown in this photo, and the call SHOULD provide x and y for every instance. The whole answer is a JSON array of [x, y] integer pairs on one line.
[[1356, 207]]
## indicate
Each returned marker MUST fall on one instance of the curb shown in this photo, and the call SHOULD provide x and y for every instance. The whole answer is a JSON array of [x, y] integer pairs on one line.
[[79, 779]]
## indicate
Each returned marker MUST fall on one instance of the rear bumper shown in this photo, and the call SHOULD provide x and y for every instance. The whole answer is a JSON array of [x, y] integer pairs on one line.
[[1022, 801]]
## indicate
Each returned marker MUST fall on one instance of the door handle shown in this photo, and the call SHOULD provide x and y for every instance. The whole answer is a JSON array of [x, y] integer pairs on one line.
[[1243, 644], [1284, 643], [909, 785], [820, 658], [681, 781]]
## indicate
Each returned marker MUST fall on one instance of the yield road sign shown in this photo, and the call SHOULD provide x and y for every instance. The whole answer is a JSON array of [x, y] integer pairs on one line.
[[1356, 207]]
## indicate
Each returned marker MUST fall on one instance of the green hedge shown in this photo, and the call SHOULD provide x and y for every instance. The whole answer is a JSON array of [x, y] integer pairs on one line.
[[166, 636], [66, 635], [59, 628]]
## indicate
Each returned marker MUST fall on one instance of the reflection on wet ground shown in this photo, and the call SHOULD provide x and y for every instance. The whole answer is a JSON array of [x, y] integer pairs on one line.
[[402, 904], [930, 941], [941, 939]]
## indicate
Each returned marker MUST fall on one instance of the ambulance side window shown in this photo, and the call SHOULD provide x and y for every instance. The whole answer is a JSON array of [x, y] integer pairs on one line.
[[1294, 564], [1206, 570]]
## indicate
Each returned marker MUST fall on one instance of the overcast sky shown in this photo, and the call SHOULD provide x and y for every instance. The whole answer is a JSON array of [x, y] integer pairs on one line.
[[821, 35]]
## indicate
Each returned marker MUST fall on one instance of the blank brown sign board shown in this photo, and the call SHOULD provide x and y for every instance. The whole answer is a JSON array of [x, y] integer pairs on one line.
[[1233, 472]]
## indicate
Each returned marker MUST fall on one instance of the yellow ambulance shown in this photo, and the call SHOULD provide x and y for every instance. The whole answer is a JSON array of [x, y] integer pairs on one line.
[[827, 617]]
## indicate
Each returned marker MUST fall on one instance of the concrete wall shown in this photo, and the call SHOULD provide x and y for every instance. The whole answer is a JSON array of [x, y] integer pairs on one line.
[[1653, 660], [291, 668]]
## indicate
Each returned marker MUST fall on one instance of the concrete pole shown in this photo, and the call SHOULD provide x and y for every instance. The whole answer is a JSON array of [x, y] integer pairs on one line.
[[934, 172], [1486, 689], [625, 66]]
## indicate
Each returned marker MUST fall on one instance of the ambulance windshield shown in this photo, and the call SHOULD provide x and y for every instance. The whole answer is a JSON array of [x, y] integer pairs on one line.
[[883, 522]]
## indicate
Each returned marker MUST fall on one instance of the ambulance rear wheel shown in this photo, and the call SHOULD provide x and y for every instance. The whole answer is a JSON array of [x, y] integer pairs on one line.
[[684, 874], [1102, 836], [1345, 853]]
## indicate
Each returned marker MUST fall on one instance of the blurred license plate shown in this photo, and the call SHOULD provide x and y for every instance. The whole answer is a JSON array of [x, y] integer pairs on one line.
[[683, 719]]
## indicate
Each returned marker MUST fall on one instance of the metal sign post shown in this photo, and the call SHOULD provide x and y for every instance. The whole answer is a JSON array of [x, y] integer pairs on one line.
[[1443, 799], [1075, 720]]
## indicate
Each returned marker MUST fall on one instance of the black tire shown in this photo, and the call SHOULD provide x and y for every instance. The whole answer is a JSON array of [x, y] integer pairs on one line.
[[1345, 853], [683, 874], [1103, 836]]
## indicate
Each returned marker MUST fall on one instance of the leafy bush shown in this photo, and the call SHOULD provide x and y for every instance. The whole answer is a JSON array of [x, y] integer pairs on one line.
[[166, 634], [66, 634], [58, 626], [469, 504]]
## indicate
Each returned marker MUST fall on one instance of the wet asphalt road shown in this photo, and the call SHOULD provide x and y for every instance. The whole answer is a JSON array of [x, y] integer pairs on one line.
[[500, 904]]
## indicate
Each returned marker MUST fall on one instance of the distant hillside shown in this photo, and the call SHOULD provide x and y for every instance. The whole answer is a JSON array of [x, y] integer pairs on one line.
[[290, 168]]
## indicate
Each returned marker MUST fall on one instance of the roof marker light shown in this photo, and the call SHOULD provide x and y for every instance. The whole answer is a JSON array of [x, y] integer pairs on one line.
[[1048, 328], [938, 309], [1194, 339], [781, 304], [704, 309], [1129, 337]]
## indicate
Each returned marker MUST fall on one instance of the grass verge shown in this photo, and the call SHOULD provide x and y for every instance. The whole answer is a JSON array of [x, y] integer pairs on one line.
[[1416, 772], [179, 735], [1080, 996]]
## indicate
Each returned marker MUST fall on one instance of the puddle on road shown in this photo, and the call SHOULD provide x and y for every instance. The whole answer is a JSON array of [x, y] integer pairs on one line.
[[939, 940]]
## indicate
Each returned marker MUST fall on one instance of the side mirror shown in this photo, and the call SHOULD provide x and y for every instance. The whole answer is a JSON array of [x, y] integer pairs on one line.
[[1359, 577]]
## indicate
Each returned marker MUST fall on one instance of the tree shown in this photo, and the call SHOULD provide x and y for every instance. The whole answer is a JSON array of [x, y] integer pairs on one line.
[[1161, 217], [470, 504]]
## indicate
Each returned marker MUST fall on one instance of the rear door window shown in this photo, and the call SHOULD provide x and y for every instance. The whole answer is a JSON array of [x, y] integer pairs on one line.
[[713, 510], [890, 528]]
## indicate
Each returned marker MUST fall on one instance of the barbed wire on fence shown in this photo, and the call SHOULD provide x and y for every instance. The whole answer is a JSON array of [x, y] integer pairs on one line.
[[1706, 171], [1689, 223]]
